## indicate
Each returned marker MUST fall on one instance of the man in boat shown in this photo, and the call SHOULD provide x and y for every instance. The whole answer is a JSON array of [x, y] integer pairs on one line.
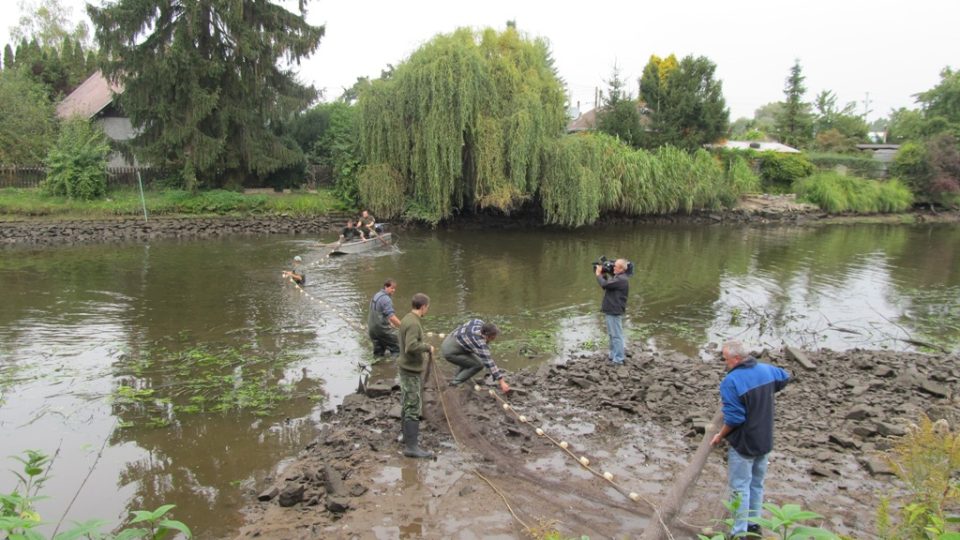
[[382, 321], [351, 232], [411, 365], [468, 347], [297, 273], [367, 224]]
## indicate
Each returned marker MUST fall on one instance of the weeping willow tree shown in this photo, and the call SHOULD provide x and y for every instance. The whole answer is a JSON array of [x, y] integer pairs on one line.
[[464, 123], [587, 175]]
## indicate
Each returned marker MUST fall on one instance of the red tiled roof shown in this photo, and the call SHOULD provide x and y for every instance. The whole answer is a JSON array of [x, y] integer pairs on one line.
[[89, 98]]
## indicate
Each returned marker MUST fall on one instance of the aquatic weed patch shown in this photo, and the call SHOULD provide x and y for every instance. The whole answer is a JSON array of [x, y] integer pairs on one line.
[[528, 342], [156, 385]]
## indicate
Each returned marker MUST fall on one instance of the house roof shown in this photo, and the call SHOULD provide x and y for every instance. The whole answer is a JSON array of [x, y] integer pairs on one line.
[[760, 146], [584, 122], [878, 146], [91, 97]]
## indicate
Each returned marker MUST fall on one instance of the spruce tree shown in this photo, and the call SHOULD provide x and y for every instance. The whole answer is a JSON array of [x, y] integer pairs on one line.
[[91, 63], [685, 102], [79, 64], [795, 122], [66, 59], [22, 53], [619, 116], [203, 82], [8, 58]]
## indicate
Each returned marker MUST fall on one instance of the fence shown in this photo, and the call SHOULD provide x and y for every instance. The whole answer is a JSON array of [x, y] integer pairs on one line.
[[20, 176]]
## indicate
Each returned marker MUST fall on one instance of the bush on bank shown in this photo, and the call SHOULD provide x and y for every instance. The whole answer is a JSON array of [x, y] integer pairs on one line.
[[837, 193], [588, 174]]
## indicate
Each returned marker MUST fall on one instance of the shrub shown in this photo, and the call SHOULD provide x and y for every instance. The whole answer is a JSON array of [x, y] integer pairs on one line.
[[931, 168], [77, 163], [927, 461], [838, 193], [912, 166], [779, 171]]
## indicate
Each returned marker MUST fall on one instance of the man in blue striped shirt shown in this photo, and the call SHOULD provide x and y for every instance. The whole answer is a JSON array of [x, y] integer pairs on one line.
[[747, 392], [468, 348]]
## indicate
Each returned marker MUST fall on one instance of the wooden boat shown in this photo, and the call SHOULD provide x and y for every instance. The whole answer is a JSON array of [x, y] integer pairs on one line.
[[383, 241]]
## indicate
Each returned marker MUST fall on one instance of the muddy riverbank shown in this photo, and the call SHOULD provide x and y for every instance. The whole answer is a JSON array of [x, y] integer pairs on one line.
[[640, 422], [760, 209]]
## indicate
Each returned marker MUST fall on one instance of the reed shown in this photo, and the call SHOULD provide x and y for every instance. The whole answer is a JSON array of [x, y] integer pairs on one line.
[[838, 193]]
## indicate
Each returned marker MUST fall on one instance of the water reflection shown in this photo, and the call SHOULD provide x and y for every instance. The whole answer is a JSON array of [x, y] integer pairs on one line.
[[79, 323]]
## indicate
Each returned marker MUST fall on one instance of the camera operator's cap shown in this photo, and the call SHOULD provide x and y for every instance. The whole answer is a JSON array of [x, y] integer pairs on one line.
[[298, 259]]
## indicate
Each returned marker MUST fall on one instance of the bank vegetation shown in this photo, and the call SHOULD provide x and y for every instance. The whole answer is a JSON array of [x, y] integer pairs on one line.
[[473, 122]]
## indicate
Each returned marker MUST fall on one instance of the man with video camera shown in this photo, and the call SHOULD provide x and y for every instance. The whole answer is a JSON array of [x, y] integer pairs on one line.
[[614, 281]]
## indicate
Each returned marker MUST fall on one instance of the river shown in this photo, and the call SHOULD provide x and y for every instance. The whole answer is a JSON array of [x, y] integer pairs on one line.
[[183, 372]]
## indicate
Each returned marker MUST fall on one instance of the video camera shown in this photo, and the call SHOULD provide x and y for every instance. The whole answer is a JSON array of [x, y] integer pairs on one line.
[[607, 266]]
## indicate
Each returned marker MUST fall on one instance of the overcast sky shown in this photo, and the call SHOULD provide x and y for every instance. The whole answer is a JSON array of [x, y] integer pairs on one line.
[[889, 50]]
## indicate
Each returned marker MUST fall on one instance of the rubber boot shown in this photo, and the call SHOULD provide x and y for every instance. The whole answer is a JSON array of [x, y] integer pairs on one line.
[[411, 437]]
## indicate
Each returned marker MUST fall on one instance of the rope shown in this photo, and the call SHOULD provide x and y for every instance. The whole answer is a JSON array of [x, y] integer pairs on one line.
[[505, 501], [443, 404], [446, 416], [343, 316], [582, 460]]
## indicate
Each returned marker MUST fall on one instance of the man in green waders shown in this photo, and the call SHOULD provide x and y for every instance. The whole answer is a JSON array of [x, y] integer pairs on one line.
[[410, 365], [382, 321]]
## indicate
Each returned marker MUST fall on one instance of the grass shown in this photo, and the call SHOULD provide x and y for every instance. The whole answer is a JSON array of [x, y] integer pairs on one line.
[[20, 202], [838, 193]]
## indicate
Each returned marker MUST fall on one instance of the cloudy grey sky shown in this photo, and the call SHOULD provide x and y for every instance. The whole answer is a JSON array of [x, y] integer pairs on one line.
[[889, 50]]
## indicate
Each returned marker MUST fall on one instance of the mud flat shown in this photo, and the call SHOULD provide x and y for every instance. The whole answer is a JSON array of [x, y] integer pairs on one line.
[[640, 422]]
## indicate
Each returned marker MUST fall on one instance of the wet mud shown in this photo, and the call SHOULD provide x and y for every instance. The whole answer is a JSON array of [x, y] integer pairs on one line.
[[495, 477]]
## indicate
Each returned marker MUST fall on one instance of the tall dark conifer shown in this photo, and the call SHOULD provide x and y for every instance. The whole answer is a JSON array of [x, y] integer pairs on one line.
[[8, 58], [206, 81], [795, 122], [79, 63]]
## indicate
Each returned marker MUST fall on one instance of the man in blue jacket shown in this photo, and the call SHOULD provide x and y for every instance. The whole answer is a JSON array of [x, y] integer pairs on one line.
[[747, 392]]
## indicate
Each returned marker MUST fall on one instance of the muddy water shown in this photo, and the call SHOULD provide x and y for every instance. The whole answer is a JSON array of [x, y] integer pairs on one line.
[[152, 371]]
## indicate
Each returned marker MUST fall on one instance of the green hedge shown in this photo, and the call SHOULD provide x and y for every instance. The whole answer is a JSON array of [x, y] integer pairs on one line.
[[126, 202], [779, 171], [863, 166]]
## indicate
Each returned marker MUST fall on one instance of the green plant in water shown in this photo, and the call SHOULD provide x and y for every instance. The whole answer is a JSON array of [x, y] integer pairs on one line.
[[18, 514], [735, 315], [927, 461], [201, 380], [19, 518]]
